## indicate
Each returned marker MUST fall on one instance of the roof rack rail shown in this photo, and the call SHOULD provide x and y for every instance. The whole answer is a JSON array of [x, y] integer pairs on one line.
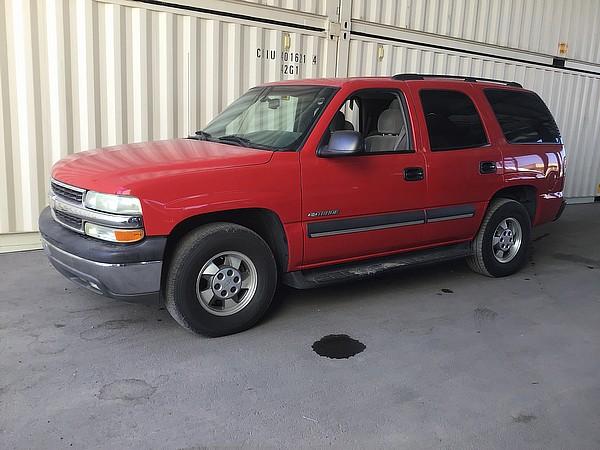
[[421, 76]]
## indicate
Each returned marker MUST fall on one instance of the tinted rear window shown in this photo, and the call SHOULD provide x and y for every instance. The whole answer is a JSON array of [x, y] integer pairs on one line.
[[452, 120], [523, 117]]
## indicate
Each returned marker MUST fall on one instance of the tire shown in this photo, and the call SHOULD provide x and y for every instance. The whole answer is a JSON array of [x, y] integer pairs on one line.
[[490, 259], [188, 293]]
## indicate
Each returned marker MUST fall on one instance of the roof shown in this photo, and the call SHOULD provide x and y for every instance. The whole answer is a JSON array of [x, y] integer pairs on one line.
[[336, 82], [407, 78]]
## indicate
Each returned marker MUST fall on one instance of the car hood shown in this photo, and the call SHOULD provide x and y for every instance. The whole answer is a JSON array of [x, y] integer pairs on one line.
[[120, 168]]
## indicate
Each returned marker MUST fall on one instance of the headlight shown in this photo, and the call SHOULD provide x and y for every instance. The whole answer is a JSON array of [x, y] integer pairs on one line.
[[117, 204], [112, 234]]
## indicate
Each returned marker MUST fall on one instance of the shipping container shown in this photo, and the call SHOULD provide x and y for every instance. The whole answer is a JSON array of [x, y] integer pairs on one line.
[[81, 74], [537, 26]]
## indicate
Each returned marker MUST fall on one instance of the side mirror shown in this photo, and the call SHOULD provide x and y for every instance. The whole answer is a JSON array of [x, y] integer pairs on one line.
[[342, 143]]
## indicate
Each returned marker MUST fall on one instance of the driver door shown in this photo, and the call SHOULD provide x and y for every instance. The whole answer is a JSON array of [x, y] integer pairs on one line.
[[366, 204]]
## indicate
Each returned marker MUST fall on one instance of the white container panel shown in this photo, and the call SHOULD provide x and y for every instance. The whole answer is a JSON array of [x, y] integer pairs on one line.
[[572, 97], [318, 7], [81, 74], [530, 25]]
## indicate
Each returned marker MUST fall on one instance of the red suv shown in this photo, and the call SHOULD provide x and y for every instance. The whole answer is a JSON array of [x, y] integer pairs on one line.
[[309, 182]]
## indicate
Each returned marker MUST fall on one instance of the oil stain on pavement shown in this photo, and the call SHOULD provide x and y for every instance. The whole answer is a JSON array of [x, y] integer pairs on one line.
[[524, 418], [110, 328], [128, 390], [338, 346], [484, 314], [576, 259]]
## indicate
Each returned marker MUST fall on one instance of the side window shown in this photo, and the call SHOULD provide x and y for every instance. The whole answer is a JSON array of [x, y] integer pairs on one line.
[[523, 117], [453, 122], [347, 118], [379, 116]]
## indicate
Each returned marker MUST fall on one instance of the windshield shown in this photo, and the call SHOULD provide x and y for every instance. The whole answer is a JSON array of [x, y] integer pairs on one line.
[[272, 117]]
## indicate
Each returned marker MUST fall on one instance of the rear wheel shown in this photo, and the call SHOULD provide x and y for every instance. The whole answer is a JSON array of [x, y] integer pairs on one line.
[[221, 280], [502, 243]]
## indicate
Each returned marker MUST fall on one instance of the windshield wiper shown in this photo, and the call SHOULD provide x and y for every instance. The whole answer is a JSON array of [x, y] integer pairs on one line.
[[200, 136], [244, 142], [234, 139]]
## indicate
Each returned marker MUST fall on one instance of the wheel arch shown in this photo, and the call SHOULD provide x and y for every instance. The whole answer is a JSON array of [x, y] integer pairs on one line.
[[524, 193], [264, 222]]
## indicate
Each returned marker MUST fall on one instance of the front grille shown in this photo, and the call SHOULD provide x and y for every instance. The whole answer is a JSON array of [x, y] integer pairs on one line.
[[68, 220], [67, 193]]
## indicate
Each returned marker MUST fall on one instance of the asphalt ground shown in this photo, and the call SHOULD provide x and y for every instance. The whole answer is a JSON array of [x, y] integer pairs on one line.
[[445, 359]]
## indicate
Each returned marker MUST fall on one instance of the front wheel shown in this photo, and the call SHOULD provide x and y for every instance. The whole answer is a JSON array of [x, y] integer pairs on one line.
[[501, 245], [221, 280]]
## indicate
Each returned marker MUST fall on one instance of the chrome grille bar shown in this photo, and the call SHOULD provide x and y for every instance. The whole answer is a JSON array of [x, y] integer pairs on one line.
[[68, 220], [67, 192]]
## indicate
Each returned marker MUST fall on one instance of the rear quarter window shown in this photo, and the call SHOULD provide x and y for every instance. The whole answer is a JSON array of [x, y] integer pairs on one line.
[[523, 117], [453, 122]]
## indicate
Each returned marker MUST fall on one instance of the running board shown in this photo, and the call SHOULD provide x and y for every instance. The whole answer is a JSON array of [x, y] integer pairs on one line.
[[306, 279]]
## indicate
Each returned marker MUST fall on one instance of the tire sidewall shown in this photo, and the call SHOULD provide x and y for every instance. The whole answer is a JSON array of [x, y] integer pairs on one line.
[[193, 258], [494, 267]]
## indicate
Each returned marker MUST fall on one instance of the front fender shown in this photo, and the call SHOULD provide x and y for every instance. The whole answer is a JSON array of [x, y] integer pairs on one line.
[[274, 186]]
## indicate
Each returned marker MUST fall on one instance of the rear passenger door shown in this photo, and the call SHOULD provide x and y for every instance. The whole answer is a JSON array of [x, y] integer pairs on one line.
[[464, 168]]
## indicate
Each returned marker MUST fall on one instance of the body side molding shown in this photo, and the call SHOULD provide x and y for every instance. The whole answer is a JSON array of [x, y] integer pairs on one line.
[[390, 220]]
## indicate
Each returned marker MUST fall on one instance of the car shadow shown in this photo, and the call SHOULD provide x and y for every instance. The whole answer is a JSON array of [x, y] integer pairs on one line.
[[397, 281]]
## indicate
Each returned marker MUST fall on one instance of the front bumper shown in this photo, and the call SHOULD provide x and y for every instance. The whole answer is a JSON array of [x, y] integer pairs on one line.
[[123, 271]]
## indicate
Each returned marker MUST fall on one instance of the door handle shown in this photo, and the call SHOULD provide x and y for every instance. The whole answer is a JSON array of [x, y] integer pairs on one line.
[[486, 167], [414, 173]]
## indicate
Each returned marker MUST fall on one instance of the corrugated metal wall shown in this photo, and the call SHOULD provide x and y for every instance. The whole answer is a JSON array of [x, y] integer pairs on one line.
[[310, 6], [579, 120], [79, 74], [531, 25]]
